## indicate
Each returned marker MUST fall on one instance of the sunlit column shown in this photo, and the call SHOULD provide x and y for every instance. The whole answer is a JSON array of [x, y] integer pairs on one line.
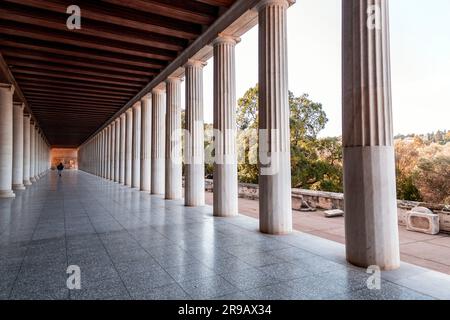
[[158, 141], [225, 165], [6, 140], [146, 141], [112, 147], [275, 212], [173, 139], [371, 229], [128, 146], [36, 152], [117, 151], [194, 168], [122, 148], [32, 150], [136, 144], [17, 173], [26, 150]]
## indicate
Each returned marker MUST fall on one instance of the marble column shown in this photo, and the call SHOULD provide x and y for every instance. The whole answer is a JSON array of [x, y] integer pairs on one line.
[[274, 135], [136, 144], [194, 168], [17, 172], [32, 150], [128, 147], [117, 151], [6, 140], [36, 153], [371, 228], [108, 152], [26, 150], [122, 148], [112, 147], [174, 175], [225, 202], [158, 142], [146, 140]]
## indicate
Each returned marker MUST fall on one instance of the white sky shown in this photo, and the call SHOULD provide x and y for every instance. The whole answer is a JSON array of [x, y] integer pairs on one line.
[[420, 53]]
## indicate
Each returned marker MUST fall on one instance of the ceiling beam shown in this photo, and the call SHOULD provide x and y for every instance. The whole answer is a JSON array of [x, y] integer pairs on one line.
[[74, 84], [185, 10], [54, 74], [11, 53], [99, 29], [82, 41], [120, 16], [67, 50]]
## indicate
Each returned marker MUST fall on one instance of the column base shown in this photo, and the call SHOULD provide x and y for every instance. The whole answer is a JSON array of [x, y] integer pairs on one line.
[[27, 183], [33, 180], [18, 187], [4, 194]]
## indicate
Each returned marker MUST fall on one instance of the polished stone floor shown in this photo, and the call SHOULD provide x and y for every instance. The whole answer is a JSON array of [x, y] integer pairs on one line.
[[130, 245]]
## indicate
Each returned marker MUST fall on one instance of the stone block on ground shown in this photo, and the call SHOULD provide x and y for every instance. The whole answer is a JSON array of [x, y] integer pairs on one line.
[[333, 213], [421, 219]]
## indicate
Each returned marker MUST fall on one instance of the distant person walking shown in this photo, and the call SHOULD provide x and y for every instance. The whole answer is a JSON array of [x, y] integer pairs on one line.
[[60, 168]]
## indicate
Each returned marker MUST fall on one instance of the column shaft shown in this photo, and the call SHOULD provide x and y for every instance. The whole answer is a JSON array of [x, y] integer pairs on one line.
[[26, 150], [158, 141], [32, 151], [122, 148], [173, 140], [369, 167], [194, 189], [136, 170], [128, 147], [146, 140], [17, 177], [117, 151], [6, 140], [112, 160], [274, 135], [225, 164]]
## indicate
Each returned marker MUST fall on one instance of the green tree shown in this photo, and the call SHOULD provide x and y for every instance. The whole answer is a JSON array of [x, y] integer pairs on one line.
[[315, 163]]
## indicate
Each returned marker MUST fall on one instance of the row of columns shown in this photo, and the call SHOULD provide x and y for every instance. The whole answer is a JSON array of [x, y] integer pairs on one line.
[[24, 153], [144, 142]]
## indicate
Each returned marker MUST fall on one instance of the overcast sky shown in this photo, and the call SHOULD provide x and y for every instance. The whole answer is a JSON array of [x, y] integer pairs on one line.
[[420, 53]]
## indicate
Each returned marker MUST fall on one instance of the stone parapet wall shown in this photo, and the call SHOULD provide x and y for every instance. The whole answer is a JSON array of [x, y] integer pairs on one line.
[[322, 200]]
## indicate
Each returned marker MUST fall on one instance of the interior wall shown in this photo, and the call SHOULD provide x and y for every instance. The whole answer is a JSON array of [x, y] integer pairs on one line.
[[68, 156]]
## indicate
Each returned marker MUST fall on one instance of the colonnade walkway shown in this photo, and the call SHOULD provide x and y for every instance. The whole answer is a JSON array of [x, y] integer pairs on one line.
[[131, 245]]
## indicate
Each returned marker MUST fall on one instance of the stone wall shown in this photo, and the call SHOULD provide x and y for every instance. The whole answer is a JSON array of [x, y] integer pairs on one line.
[[309, 199]]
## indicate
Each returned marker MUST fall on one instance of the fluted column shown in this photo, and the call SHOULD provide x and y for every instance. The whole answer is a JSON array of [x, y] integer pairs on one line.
[[136, 147], [108, 152], [36, 153], [26, 150], [173, 166], [112, 147], [275, 212], [158, 141], [369, 168], [32, 150], [117, 151], [194, 186], [225, 165], [122, 148], [17, 173], [128, 147], [6, 140], [146, 140]]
